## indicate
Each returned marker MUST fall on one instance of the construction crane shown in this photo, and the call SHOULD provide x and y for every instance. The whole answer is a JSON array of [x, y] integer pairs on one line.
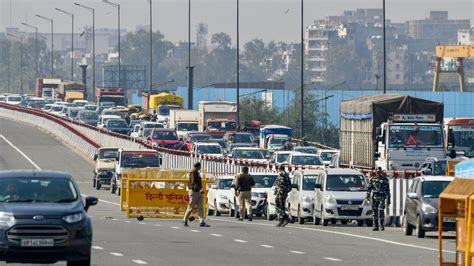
[[457, 52]]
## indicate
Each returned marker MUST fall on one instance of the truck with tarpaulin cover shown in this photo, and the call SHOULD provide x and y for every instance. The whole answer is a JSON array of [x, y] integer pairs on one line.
[[217, 117], [391, 131], [70, 91], [273, 137]]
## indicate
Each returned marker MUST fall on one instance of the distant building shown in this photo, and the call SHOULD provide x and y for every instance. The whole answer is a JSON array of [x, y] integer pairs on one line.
[[466, 37], [201, 36], [437, 27]]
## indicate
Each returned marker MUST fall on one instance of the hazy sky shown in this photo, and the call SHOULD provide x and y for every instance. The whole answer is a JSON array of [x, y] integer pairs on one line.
[[267, 19]]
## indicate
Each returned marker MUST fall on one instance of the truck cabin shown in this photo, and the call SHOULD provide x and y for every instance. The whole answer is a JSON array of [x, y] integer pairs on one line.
[[187, 126], [164, 110], [460, 136], [114, 99], [220, 127]]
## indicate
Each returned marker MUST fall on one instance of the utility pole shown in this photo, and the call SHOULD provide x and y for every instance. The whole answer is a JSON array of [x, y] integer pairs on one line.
[[189, 67], [52, 42], [384, 53], [36, 47], [72, 40], [90, 9], [238, 66], [302, 72], [151, 46]]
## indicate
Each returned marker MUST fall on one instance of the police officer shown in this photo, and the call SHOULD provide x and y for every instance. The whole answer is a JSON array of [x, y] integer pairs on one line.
[[282, 188], [195, 195], [380, 189], [243, 187]]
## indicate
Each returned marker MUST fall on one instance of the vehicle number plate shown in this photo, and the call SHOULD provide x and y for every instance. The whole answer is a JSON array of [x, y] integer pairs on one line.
[[37, 242], [350, 207], [449, 220]]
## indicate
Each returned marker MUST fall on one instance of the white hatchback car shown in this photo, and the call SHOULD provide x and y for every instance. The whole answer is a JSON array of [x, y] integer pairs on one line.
[[339, 196], [300, 202], [219, 194], [305, 159], [208, 148]]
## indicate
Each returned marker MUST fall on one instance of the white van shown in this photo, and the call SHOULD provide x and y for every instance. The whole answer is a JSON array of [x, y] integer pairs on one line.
[[339, 196]]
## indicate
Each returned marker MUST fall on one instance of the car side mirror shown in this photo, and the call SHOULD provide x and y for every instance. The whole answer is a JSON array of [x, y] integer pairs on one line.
[[95, 157], [317, 186], [90, 201], [412, 195]]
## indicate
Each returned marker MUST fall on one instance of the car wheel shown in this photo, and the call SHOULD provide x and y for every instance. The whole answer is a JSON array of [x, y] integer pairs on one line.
[[369, 222], [86, 262], [407, 228], [360, 222], [209, 210], [324, 221], [231, 211], [316, 220], [420, 232], [94, 181], [343, 221], [300, 220], [216, 211]]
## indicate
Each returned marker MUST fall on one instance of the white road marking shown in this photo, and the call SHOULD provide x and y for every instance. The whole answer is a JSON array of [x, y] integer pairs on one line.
[[97, 247], [216, 235], [141, 223], [348, 234], [114, 219], [128, 222], [195, 231], [331, 259], [297, 252], [266, 246], [157, 225], [240, 241], [141, 262], [116, 254], [20, 152], [175, 227]]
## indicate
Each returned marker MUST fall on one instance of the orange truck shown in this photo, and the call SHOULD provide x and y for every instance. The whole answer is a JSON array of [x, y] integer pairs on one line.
[[217, 118], [460, 135]]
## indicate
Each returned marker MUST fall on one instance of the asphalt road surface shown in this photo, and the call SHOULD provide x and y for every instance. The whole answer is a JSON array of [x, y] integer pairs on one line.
[[122, 241]]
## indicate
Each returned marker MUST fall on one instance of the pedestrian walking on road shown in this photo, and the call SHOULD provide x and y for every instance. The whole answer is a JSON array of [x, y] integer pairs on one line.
[[195, 195], [282, 188], [243, 187], [378, 191]]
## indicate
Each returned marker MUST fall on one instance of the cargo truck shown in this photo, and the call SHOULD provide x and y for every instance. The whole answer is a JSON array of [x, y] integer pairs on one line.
[[217, 118], [160, 104], [110, 96], [45, 88], [391, 131], [70, 91], [273, 137], [183, 121]]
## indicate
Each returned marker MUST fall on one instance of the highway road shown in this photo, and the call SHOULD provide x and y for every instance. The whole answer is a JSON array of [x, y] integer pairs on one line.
[[121, 241]]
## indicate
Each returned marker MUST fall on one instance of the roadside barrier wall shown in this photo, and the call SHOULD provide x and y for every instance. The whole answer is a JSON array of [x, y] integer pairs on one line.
[[87, 139]]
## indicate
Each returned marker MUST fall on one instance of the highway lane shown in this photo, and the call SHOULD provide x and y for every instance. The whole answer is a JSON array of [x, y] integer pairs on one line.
[[229, 242]]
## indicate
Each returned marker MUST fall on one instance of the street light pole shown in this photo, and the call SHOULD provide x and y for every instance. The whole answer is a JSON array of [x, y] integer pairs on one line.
[[52, 42], [384, 53], [302, 72], [151, 45], [189, 67], [238, 66], [36, 46], [90, 9], [72, 40], [118, 37]]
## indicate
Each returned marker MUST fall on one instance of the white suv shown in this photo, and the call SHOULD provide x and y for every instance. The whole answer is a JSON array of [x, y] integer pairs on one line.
[[339, 196]]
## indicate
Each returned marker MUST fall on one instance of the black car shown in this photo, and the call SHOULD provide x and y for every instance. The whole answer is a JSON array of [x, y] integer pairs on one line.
[[119, 126], [421, 205], [43, 218]]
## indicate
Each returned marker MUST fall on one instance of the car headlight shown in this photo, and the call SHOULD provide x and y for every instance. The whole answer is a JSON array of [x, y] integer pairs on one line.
[[330, 200], [223, 197], [74, 218], [428, 208], [6, 219], [307, 198]]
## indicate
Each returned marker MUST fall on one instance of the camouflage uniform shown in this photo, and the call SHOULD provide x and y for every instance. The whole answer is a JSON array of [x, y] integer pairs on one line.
[[380, 189], [282, 188]]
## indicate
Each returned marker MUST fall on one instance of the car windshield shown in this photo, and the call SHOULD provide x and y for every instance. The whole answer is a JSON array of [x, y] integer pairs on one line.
[[209, 149], [311, 150], [116, 123], [309, 182], [346, 183], [187, 127], [277, 141], [305, 160], [414, 136], [243, 138], [199, 137], [165, 135], [165, 110], [282, 157], [432, 189], [47, 107], [107, 154], [31, 190], [224, 184], [14, 99], [440, 168], [249, 154], [73, 113], [226, 126], [153, 125], [90, 107], [462, 137], [140, 159], [56, 108], [264, 181], [327, 155], [88, 115]]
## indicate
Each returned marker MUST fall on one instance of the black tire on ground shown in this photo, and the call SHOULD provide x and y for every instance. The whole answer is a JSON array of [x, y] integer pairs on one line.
[[259, 214], [86, 262], [360, 222], [369, 222], [98, 186], [316, 221], [300, 219], [93, 181], [420, 232], [343, 221], [231, 212], [216, 212], [324, 221], [333, 221], [407, 228], [118, 191], [209, 211]]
